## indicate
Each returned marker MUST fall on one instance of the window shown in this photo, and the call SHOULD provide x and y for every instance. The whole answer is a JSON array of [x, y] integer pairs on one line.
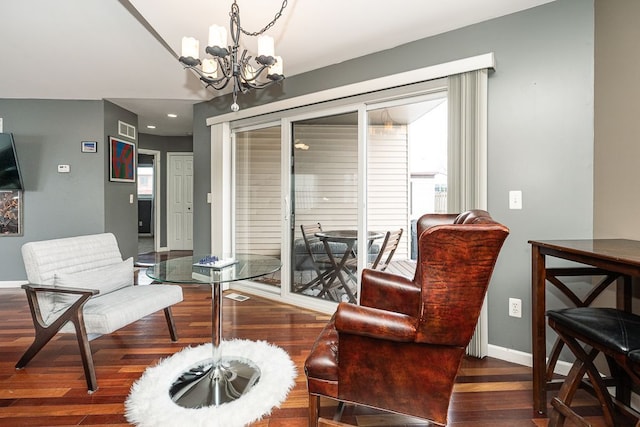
[[145, 182]]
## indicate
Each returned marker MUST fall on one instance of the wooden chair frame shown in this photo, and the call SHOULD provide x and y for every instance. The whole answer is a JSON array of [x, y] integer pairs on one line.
[[45, 332]]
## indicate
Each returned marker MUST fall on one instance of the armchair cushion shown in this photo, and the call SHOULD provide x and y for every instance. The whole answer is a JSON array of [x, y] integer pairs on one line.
[[105, 315], [105, 280]]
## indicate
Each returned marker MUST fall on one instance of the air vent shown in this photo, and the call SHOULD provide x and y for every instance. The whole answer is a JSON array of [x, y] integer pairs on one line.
[[125, 129]]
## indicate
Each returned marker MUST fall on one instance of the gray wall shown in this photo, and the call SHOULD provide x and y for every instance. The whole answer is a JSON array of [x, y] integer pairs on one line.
[[165, 144], [84, 201], [120, 215], [201, 180], [48, 133], [540, 133]]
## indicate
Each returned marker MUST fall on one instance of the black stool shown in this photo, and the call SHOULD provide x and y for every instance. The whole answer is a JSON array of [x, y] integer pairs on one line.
[[614, 333]]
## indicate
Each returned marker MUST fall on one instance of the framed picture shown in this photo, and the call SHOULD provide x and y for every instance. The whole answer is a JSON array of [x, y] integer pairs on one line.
[[89, 146], [122, 160], [10, 213]]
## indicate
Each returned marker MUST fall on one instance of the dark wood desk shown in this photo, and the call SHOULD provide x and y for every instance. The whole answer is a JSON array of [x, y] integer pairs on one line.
[[611, 258]]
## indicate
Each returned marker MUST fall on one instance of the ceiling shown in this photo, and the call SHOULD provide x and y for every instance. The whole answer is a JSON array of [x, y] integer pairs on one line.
[[126, 51]]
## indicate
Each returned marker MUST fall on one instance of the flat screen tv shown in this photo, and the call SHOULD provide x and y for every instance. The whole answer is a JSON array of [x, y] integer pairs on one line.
[[10, 178]]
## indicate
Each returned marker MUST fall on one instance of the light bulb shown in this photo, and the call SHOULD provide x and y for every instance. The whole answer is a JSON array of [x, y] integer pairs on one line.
[[235, 107]]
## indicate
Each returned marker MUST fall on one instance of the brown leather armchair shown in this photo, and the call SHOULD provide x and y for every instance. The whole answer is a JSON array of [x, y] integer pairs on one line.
[[400, 350]]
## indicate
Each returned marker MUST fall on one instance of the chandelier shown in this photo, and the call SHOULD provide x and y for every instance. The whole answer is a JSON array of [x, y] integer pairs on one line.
[[227, 65]]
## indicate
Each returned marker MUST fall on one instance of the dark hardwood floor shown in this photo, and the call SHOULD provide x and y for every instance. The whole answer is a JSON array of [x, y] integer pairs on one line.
[[51, 390]]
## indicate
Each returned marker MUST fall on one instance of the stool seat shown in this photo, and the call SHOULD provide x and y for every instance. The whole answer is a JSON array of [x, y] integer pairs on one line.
[[615, 329], [587, 332]]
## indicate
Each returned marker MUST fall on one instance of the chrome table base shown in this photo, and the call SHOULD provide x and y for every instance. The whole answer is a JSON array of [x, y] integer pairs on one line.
[[210, 383]]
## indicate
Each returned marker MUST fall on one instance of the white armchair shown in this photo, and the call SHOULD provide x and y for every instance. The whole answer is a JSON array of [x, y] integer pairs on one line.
[[82, 285]]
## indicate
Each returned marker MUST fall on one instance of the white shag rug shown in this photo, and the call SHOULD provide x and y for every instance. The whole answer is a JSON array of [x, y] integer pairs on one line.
[[149, 403]]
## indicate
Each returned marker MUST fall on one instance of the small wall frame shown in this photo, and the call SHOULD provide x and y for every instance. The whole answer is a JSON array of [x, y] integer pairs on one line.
[[89, 146], [10, 213]]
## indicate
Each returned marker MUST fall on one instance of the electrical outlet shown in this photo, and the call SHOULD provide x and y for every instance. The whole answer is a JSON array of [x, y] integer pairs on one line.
[[515, 307]]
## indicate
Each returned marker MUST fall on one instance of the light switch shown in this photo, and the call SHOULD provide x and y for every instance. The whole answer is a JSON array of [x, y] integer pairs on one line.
[[515, 199], [64, 169], [208, 197], [131, 198]]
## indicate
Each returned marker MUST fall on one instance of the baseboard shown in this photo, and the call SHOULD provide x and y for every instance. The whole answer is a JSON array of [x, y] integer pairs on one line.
[[12, 283], [522, 358]]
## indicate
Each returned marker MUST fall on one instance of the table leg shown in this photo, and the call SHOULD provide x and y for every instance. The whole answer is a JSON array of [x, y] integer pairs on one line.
[[624, 293], [218, 380], [538, 330]]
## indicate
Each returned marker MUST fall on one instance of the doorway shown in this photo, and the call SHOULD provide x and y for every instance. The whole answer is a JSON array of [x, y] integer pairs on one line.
[[180, 201], [148, 188]]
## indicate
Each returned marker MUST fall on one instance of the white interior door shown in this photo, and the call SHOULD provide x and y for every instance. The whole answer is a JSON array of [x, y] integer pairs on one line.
[[180, 201]]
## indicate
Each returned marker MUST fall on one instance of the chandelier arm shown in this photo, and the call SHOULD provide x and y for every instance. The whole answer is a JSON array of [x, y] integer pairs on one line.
[[213, 84], [244, 60], [239, 86], [225, 66], [255, 75], [205, 78], [249, 86]]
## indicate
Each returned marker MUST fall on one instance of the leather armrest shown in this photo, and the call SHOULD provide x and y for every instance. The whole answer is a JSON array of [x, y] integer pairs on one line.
[[390, 292], [375, 323], [58, 289]]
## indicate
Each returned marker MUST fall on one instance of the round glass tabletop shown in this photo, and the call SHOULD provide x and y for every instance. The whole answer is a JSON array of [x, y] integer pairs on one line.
[[346, 235], [186, 269]]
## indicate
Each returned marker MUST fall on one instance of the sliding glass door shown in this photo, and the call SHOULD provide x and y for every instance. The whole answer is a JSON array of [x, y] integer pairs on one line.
[[324, 194], [321, 192], [406, 173], [258, 192]]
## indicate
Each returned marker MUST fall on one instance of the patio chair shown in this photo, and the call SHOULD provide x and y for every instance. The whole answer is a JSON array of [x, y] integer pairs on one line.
[[382, 259], [316, 258], [388, 249]]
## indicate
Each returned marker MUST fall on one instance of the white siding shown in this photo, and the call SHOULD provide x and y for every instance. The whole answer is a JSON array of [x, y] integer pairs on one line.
[[325, 183], [258, 192], [326, 176], [388, 183]]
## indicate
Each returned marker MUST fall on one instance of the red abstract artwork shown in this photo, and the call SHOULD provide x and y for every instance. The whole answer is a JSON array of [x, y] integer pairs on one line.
[[122, 160]]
